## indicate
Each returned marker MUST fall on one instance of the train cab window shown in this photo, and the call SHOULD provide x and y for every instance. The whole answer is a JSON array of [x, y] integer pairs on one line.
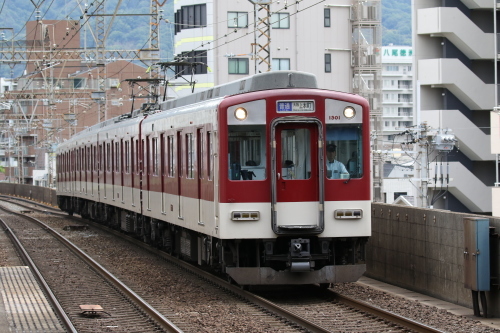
[[247, 152], [296, 154], [343, 150]]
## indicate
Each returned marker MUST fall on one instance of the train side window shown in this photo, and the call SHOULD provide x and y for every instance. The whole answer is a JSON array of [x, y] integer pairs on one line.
[[161, 152], [94, 158], [247, 152], [127, 157], [117, 156], [190, 155], [347, 140], [108, 157], [170, 156], [89, 159], [210, 157], [154, 150]]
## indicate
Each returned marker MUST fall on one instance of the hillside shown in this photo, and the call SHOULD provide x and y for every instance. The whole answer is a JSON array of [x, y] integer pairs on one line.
[[396, 22]]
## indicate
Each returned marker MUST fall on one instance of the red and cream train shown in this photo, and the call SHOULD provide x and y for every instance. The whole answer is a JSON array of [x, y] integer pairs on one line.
[[234, 178]]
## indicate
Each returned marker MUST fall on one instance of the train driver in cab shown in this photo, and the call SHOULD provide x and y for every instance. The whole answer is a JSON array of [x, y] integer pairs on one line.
[[335, 169]]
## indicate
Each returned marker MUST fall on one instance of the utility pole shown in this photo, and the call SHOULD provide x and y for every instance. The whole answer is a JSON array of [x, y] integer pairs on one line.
[[262, 35]]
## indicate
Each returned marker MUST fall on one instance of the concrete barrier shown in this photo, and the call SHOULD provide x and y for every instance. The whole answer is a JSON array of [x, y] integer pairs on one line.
[[41, 194], [423, 250]]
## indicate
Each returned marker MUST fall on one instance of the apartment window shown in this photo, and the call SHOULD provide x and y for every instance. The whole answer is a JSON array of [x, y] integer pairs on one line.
[[405, 112], [190, 17], [237, 19], [405, 84], [192, 57], [392, 68], [280, 21], [328, 63], [405, 98], [327, 22], [78, 83], [238, 66], [281, 64]]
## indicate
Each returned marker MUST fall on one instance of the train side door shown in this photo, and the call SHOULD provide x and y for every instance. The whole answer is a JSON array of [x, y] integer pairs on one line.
[[199, 175], [179, 175], [297, 167]]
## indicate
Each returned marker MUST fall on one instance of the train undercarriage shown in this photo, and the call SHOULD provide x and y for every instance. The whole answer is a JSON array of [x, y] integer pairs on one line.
[[282, 260]]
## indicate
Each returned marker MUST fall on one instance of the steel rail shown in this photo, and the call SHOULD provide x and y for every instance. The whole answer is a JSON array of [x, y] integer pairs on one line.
[[165, 324], [65, 321], [392, 317]]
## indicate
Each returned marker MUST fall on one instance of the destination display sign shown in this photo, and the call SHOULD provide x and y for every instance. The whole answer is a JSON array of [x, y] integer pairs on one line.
[[295, 106]]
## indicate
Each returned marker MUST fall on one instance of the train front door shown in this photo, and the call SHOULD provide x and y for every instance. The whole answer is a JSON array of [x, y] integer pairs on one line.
[[297, 186]]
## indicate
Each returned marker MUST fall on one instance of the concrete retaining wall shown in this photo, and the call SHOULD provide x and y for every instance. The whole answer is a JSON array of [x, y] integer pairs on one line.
[[41, 194], [422, 250]]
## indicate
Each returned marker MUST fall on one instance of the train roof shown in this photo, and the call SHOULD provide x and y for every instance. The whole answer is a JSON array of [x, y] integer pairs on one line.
[[257, 82]]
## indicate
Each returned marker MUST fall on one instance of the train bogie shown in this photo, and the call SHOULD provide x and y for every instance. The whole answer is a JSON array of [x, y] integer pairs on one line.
[[266, 179]]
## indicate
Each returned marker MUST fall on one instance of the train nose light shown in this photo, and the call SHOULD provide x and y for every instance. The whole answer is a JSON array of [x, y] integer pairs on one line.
[[240, 113], [245, 216], [349, 112]]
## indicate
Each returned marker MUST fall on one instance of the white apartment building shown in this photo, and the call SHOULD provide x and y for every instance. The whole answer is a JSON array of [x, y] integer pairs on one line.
[[307, 35], [397, 92], [455, 65]]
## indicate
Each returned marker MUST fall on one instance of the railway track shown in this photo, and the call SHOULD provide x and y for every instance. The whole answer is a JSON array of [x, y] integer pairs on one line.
[[76, 282], [311, 309]]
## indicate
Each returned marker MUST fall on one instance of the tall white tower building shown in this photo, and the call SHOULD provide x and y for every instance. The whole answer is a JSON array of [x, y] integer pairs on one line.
[[455, 60], [397, 91]]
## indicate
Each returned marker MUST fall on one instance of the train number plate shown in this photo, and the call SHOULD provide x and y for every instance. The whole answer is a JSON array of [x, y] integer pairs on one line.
[[295, 106]]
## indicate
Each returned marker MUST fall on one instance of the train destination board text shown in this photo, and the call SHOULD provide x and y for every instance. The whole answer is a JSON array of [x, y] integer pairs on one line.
[[295, 106]]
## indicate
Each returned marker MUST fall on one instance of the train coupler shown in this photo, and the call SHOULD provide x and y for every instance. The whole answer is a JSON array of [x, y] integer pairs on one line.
[[300, 255]]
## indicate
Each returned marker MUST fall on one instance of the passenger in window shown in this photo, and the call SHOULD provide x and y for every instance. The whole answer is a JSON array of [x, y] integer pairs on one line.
[[335, 169]]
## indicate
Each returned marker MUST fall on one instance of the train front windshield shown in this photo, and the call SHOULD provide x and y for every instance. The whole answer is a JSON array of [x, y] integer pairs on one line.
[[344, 145], [247, 153]]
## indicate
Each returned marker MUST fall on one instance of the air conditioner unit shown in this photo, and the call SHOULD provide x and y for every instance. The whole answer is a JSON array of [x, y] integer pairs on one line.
[[114, 83]]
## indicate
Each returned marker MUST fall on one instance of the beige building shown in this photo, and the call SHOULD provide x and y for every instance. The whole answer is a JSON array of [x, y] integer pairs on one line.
[[305, 35], [58, 96]]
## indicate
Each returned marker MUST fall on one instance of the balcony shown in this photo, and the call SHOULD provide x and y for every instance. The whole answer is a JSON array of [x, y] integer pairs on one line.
[[474, 143], [467, 188], [453, 75], [478, 4], [451, 23]]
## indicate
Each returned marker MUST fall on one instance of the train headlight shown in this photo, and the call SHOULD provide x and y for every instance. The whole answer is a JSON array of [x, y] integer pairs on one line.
[[349, 112], [241, 113]]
